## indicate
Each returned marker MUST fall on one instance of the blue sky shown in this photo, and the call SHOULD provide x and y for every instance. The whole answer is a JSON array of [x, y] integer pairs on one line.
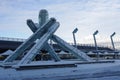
[[86, 15]]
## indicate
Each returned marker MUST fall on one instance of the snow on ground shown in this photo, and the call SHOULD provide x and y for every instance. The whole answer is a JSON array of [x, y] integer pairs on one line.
[[101, 71]]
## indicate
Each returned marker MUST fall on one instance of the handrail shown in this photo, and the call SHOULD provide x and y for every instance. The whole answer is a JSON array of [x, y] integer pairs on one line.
[[22, 40], [12, 39]]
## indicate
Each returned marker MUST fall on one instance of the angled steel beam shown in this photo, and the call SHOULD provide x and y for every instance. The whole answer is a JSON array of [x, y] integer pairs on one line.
[[79, 54], [32, 26], [52, 52]]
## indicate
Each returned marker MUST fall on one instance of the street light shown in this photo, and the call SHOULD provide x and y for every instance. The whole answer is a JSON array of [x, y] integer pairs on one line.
[[111, 37], [74, 31], [95, 33], [112, 42]]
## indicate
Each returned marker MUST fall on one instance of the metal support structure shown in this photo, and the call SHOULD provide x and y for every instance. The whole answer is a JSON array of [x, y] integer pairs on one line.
[[49, 48], [43, 32], [39, 45], [95, 42], [69, 48], [34, 29], [40, 32], [75, 30]]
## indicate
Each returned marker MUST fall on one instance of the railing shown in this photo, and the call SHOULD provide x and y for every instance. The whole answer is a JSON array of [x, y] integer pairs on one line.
[[91, 45], [12, 39], [104, 45]]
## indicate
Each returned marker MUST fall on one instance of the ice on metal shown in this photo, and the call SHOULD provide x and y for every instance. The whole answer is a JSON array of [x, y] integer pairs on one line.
[[43, 31]]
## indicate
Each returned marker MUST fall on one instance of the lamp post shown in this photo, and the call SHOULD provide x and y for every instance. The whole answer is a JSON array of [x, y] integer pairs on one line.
[[112, 42], [95, 42], [111, 37], [74, 31]]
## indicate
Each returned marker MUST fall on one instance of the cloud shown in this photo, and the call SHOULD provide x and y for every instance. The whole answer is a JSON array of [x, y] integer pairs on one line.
[[86, 15]]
